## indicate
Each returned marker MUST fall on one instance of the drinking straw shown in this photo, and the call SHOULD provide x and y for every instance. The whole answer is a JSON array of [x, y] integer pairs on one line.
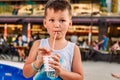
[[54, 40]]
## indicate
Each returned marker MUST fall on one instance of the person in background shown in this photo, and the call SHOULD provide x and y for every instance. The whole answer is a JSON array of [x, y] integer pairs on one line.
[[2, 40], [66, 55], [104, 42], [24, 38], [84, 43], [74, 38], [95, 45], [19, 42], [15, 10], [115, 46], [4, 47], [30, 44]]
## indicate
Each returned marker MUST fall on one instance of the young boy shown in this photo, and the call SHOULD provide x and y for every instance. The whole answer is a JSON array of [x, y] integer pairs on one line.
[[66, 55]]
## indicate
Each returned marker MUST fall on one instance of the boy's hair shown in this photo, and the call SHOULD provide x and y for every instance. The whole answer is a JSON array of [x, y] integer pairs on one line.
[[58, 5]]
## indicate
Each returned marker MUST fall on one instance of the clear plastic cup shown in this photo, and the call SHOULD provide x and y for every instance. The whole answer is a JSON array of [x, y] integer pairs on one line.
[[50, 72]]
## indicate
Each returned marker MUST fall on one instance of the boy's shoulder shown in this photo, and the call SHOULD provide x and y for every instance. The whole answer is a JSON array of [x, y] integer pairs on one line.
[[36, 42]]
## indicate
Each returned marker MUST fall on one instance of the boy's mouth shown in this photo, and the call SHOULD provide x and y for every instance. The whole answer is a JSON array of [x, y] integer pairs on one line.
[[57, 32]]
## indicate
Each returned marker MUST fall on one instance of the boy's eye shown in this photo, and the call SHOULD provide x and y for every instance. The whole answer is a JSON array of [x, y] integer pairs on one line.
[[51, 20], [62, 20]]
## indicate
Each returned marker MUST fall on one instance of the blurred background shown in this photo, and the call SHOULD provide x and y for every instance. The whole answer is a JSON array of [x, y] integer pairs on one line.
[[101, 16], [91, 19]]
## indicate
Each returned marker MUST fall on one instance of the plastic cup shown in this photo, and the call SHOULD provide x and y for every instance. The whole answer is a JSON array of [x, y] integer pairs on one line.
[[46, 60], [50, 72]]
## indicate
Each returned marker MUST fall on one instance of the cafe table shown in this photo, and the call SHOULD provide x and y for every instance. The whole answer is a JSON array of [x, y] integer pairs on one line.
[[84, 52], [115, 55], [21, 47]]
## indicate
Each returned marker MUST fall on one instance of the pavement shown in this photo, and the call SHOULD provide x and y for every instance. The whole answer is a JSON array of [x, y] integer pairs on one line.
[[93, 70], [100, 70]]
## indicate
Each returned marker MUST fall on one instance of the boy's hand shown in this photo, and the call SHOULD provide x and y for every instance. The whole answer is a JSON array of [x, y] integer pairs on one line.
[[42, 52], [56, 63]]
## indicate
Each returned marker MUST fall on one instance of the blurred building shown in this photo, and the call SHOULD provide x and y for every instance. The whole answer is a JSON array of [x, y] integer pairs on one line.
[[102, 16]]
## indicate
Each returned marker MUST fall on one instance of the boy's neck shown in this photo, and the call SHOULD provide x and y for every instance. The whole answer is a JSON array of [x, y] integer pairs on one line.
[[59, 43]]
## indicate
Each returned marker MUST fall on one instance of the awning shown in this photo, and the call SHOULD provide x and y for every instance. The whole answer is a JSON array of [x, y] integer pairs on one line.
[[8, 20], [113, 20]]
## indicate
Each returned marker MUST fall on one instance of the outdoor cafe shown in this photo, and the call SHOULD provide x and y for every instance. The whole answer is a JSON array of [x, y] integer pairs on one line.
[[88, 53]]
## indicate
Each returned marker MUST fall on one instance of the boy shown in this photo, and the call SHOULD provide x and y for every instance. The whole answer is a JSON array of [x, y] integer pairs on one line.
[[66, 55]]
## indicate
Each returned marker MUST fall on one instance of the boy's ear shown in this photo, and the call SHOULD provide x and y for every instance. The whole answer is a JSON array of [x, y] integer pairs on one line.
[[44, 23], [70, 23]]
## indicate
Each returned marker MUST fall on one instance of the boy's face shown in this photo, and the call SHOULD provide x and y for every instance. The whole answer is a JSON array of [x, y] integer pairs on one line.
[[58, 21]]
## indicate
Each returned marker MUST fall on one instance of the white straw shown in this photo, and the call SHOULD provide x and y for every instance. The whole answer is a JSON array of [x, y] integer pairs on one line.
[[54, 41]]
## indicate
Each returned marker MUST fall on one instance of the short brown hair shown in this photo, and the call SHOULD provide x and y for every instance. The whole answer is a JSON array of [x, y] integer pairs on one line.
[[58, 5]]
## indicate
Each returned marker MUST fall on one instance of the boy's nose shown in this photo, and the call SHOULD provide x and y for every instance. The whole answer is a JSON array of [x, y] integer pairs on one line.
[[57, 24]]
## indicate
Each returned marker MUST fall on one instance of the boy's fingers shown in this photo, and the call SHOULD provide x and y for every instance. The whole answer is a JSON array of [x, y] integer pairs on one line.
[[57, 55], [54, 64], [56, 58], [44, 49]]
